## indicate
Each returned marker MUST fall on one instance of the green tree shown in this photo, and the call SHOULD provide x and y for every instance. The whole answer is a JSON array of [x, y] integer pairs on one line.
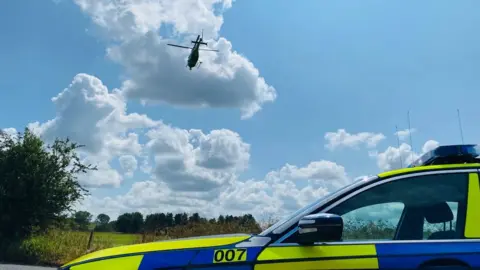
[[38, 182], [83, 219], [102, 219], [129, 223], [137, 223], [195, 218], [103, 223], [123, 223]]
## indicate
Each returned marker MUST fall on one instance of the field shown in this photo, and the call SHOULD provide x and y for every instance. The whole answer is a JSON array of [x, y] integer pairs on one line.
[[116, 238], [57, 247]]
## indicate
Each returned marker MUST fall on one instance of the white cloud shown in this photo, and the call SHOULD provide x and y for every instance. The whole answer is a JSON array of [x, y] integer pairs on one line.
[[184, 160], [278, 193], [341, 138], [105, 175], [396, 158], [189, 160], [11, 132], [430, 145], [157, 72], [404, 134], [129, 164], [130, 18], [90, 115]]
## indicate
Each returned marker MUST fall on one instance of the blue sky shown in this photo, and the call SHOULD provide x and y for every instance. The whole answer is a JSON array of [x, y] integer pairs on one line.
[[352, 65]]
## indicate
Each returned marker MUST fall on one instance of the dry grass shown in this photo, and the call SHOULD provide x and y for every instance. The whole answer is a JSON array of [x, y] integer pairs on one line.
[[57, 247], [54, 247]]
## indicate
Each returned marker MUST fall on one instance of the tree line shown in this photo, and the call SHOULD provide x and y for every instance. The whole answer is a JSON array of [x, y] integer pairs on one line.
[[135, 222]]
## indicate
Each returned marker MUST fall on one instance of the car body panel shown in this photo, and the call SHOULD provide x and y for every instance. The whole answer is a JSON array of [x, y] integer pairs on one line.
[[472, 226], [121, 263], [322, 256], [166, 259], [398, 255], [155, 247], [428, 168]]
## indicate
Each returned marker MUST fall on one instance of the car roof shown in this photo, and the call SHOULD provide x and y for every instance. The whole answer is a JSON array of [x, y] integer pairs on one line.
[[427, 168]]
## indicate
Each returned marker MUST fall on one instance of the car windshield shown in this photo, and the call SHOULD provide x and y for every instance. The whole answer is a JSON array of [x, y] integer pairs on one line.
[[318, 202]]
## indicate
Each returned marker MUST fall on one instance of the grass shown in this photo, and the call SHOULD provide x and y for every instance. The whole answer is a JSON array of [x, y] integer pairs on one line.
[[57, 247], [117, 238]]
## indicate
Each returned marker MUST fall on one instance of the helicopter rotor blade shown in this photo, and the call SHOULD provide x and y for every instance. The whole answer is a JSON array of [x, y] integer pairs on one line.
[[208, 50], [178, 46]]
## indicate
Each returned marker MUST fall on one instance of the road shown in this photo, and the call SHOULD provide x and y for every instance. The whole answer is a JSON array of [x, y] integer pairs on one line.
[[23, 267]]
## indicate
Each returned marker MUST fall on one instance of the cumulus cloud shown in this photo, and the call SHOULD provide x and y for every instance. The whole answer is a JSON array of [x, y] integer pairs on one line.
[[194, 161], [396, 158], [157, 73], [184, 160], [89, 114], [404, 134], [278, 193], [341, 138], [130, 18], [129, 164], [11, 132], [430, 145]]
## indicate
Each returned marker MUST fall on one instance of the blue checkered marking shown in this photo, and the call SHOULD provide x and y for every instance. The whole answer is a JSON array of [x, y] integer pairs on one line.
[[166, 259]]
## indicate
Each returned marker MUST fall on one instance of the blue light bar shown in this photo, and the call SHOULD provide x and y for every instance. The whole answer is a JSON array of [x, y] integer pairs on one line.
[[449, 154]]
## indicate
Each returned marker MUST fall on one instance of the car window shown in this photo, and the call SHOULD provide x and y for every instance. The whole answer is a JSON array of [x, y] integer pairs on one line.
[[358, 182], [413, 208], [373, 222], [430, 229]]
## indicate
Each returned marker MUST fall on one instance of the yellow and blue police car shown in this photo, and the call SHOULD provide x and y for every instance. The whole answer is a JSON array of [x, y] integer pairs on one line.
[[439, 189]]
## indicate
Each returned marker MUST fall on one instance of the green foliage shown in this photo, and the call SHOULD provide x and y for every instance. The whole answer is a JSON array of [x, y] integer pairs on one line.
[[103, 223], [102, 219], [159, 222], [82, 219], [129, 223], [38, 183]]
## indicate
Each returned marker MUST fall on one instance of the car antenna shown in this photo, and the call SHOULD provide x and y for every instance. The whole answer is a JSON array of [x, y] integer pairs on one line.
[[398, 144], [460, 125], [410, 133]]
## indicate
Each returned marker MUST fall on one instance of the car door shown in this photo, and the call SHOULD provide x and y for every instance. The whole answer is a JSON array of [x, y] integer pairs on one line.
[[401, 222]]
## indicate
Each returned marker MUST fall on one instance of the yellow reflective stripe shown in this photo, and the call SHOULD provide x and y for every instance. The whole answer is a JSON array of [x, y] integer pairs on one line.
[[472, 229], [121, 263], [368, 263], [428, 168], [161, 246], [325, 251]]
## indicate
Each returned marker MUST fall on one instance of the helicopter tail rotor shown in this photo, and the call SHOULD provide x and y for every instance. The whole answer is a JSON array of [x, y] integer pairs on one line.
[[201, 40]]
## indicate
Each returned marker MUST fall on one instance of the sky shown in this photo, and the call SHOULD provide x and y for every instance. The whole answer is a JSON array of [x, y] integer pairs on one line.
[[302, 98]]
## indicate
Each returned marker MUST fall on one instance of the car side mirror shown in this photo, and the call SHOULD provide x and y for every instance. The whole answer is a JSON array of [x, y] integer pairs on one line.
[[320, 228]]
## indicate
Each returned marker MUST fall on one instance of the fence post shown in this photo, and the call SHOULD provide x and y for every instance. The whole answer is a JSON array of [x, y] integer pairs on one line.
[[90, 240], [144, 236]]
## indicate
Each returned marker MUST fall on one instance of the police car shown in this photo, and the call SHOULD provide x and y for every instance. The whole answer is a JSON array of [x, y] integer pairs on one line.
[[440, 190]]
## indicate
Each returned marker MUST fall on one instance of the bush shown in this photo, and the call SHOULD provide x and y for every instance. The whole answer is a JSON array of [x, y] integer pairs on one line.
[[37, 183]]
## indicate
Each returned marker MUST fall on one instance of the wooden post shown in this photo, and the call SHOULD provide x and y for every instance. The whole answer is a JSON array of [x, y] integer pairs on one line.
[[90, 240], [144, 236]]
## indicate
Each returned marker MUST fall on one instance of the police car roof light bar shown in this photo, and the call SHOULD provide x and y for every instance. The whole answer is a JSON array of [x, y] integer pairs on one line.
[[449, 154]]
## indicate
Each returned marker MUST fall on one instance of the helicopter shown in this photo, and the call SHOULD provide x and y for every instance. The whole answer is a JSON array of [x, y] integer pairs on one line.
[[194, 54]]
